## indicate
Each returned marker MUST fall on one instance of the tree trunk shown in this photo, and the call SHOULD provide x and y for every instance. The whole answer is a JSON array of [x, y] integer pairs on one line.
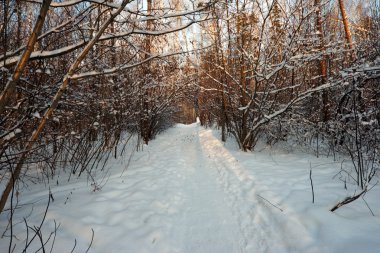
[[322, 61], [347, 31], [19, 23], [146, 121], [11, 84], [4, 30]]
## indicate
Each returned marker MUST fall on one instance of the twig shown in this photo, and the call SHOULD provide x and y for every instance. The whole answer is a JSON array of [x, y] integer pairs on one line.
[[75, 244], [270, 203], [39, 235], [311, 182], [55, 234], [373, 186], [11, 218], [92, 239], [37, 230], [27, 234], [368, 205]]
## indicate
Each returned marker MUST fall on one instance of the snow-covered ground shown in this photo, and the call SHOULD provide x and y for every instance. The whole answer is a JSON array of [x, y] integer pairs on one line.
[[188, 192]]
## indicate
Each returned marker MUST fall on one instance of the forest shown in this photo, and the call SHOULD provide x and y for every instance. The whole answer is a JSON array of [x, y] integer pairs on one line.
[[83, 82]]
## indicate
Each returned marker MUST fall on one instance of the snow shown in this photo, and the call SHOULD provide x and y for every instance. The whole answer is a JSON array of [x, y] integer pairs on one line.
[[9, 136], [45, 54], [189, 192], [36, 114]]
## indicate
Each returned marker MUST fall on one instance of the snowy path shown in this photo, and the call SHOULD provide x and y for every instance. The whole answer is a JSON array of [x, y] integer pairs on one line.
[[207, 223], [215, 207], [188, 193]]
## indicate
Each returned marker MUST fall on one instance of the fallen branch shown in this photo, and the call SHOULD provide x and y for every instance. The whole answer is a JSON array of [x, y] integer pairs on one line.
[[348, 200]]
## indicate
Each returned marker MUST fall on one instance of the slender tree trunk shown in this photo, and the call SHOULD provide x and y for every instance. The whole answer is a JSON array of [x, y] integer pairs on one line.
[[345, 24], [54, 104], [347, 31], [242, 81], [322, 61], [221, 62], [19, 23], [146, 128], [4, 30], [10, 88]]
